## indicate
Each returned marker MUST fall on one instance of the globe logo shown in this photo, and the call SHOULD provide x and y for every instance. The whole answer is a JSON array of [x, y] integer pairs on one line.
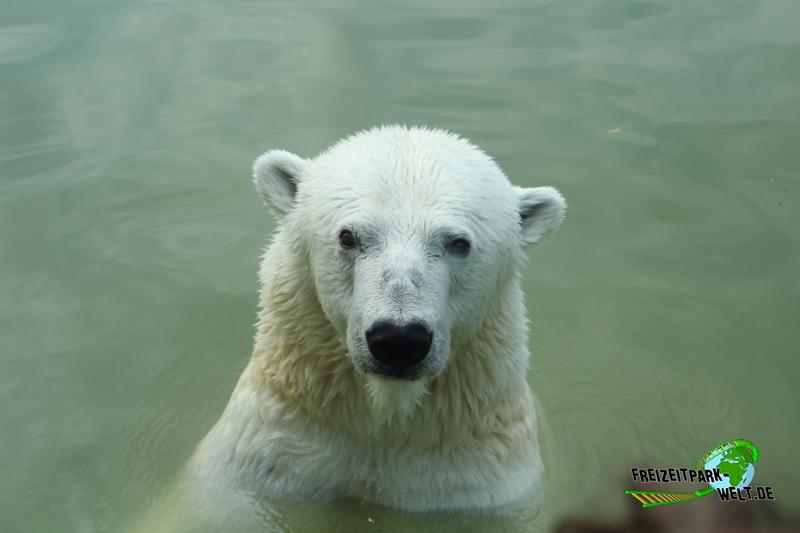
[[736, 462], [728, 469]]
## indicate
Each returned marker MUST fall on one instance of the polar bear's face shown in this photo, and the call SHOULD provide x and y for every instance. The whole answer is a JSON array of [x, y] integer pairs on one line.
[[410, 235]]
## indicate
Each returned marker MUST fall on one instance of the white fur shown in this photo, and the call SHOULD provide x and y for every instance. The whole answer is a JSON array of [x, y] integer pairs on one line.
[[392, 399], [309, 417]]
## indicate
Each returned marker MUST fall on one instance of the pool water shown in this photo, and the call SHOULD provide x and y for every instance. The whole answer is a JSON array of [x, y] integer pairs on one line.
[[664, 311]]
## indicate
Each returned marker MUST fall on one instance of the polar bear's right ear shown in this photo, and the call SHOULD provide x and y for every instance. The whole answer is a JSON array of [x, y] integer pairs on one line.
[[541, 211], [276, 175]]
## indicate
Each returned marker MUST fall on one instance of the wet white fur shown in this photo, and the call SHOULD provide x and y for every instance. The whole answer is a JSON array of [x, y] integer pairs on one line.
[[307, 419]]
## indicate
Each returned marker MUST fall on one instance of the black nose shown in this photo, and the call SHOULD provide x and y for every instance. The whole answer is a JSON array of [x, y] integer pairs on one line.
[[397, 346]]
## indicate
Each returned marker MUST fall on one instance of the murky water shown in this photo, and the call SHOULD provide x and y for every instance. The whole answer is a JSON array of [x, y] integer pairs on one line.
[[665, 311]]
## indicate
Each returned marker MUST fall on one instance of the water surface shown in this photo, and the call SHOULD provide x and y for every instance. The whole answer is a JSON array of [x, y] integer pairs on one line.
[[664, 312]]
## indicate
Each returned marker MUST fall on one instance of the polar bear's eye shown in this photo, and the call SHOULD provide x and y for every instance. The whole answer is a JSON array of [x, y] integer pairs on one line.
[[347, 240], [458, 247]]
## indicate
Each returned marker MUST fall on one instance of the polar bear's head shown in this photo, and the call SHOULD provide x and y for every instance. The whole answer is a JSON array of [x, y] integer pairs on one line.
[[410, 235]]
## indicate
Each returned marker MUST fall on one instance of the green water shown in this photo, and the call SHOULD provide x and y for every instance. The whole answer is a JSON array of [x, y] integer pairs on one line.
[[664, 312]]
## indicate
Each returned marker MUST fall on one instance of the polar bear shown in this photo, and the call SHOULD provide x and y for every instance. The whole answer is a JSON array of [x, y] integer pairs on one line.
[[391, 349]]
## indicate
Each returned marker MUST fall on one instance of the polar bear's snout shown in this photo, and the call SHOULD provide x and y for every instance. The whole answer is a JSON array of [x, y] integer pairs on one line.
[[399, 348]]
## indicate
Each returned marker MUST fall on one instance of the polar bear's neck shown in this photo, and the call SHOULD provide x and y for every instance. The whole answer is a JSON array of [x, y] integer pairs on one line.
[[300, 365]]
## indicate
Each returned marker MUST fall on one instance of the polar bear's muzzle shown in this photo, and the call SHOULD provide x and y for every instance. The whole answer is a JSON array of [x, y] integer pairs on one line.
[[397, 323], [399, 349]]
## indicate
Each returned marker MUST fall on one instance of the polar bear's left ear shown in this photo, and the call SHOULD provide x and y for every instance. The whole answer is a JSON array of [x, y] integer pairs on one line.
[[541, 210], [276, 175]]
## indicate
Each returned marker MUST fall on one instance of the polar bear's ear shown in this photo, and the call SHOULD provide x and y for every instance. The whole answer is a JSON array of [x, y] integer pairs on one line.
[[541, 210], [276, 174]]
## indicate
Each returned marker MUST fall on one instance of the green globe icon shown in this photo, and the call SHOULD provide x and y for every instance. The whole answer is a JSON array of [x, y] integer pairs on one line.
[[736, 462]]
